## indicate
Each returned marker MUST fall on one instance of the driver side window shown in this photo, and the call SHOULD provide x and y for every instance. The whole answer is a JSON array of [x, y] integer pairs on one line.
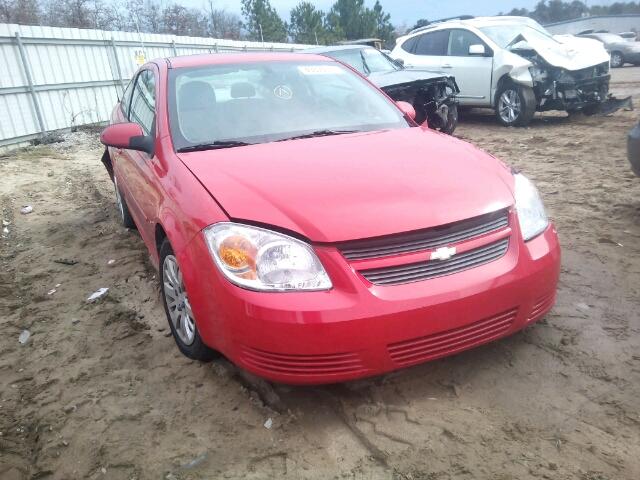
[[460, 41], [143, 101]]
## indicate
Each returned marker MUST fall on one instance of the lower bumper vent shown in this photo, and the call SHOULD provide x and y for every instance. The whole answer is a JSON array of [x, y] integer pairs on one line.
[[419, 350]]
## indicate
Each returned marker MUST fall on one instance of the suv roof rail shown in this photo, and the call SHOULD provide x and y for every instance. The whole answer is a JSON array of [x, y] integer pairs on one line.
[[441, 20]]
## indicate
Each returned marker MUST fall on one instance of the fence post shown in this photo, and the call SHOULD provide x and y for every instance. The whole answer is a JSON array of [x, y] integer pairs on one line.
[[215, 47], [173, 45], [32, 91], [115, 57]]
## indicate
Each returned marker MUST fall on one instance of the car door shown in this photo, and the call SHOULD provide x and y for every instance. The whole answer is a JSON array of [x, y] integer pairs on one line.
[[472, 71], [428, 50], [141, 169]]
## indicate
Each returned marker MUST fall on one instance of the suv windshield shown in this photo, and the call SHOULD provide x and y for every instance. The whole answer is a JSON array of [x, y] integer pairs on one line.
[[365, 60], [504, 35], [238, 104]]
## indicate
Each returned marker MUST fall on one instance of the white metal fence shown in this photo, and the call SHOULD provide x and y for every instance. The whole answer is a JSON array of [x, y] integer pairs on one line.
[[53, 79]]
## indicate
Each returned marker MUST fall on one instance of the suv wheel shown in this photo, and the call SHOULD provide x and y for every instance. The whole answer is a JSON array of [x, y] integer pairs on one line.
[[516, 105], [617, 60]]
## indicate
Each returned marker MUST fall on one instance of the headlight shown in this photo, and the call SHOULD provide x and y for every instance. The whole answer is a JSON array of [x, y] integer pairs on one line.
[[260, 259], [531, 215]]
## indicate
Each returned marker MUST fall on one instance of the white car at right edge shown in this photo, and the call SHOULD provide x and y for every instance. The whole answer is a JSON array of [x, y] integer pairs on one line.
[[511, 64]]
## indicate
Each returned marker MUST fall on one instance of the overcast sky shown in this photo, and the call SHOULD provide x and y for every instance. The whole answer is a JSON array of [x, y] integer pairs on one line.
[[401, 10]]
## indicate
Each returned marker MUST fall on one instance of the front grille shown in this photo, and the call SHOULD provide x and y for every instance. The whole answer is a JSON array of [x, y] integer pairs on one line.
[[419, 350], [414, 272], [590, 72], [324, 364], [428, 239]]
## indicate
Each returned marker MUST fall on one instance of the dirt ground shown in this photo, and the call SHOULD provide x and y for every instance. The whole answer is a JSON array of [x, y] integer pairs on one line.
[[100, 390]]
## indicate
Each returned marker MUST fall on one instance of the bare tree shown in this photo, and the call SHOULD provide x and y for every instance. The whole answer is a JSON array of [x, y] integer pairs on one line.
[[25, 12], [222, 24]]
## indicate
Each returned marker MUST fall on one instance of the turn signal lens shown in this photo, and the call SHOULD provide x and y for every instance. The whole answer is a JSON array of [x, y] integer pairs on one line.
[[238, 253]]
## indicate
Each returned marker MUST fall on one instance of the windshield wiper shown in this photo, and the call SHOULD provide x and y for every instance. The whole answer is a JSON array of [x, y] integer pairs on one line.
[[367, 70], [214, 146], [318, 133]]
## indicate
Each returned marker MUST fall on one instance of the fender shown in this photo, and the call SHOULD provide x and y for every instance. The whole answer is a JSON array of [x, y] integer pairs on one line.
[[514, 67]]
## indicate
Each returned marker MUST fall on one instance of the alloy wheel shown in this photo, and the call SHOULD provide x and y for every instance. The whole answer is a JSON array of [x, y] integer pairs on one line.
[[177, 301], [616, 60], [509, 106]]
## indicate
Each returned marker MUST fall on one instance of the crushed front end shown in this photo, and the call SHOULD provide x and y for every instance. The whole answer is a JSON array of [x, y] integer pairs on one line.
[[560, 89], [434, 100]]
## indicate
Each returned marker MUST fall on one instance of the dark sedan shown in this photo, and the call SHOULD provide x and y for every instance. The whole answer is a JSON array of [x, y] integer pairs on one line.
[[432, 94]]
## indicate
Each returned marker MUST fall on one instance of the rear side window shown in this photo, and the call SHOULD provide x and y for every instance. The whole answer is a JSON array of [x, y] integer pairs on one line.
[[460, 41], [143, 101], [410, 44], [434, 43]]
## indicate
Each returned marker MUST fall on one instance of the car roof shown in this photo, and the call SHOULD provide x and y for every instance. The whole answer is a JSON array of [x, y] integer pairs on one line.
[[233, 58], [476, 22], [336, 48]]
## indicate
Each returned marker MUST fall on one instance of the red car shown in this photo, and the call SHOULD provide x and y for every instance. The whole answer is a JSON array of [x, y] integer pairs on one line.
[[308, 229]]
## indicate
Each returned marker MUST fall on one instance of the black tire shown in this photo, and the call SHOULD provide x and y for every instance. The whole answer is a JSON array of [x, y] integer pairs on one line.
[[617, 59], [196, 349], [123, 209], [524, 105], [452, 120]]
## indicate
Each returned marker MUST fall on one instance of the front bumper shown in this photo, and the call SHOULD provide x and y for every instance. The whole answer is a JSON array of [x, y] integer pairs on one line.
[[358, 329]]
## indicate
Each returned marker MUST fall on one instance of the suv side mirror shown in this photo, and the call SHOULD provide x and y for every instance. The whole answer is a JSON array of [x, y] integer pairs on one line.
[[477, 49], [128, 136], [399, 62]]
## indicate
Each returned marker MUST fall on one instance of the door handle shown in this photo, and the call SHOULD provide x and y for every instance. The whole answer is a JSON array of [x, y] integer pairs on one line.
[[446, 65]]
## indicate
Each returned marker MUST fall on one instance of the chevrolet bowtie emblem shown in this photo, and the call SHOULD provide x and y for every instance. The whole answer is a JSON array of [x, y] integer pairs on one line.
[[443, 253]]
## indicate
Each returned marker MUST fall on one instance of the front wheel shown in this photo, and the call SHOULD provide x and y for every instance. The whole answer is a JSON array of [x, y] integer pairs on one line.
[[617, 60], [451, 123], [125, 216], [178, 308], [515, 106]]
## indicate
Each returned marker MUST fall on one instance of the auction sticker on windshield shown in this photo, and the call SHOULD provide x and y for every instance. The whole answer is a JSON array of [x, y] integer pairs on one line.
[[319, 69]]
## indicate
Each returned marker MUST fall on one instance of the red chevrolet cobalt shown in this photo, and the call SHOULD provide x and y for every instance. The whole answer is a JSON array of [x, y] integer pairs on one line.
[[305, 227]]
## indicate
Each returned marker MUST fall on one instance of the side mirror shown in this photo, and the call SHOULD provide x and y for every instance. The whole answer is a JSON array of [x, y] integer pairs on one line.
[[128, 136], [407, 109], [399, 62], [477, 49]]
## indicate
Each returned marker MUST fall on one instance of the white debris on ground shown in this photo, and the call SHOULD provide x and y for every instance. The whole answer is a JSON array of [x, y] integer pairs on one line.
[[24, 336], [101, 292], [71, 140], [27, 209], [268, 424]]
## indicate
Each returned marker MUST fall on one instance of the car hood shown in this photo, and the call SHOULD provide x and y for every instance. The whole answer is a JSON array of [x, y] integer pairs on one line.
[[354, 186], [571, 53], [407, 75]]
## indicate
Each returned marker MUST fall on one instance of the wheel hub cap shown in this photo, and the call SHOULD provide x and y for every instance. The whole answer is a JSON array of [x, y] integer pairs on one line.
[[509, 106], [177, 301]]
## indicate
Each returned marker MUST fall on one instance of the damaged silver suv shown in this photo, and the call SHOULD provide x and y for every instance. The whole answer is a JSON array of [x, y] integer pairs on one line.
[[511, 64]]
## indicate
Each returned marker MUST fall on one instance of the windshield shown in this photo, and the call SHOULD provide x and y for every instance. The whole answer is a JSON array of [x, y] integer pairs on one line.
[[365, 60], [268, 101], [504, 35]]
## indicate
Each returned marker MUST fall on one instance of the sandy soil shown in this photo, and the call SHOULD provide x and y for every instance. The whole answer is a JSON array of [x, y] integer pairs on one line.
[[100, 391]]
